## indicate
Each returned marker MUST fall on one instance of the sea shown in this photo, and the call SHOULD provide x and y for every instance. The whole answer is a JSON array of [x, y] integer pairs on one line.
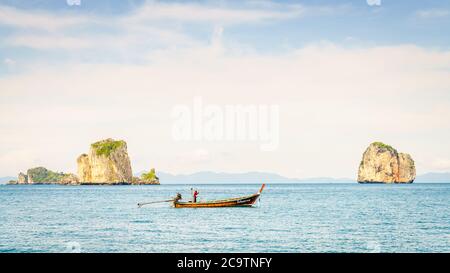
[[289, 218]]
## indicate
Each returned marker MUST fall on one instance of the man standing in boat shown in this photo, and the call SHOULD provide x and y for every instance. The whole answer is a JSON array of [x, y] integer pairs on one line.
[[195, 196]]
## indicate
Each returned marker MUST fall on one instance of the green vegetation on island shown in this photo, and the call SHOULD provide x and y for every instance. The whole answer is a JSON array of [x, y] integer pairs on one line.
[[42, 175], [383, 146], [106, 147], [150, 176]]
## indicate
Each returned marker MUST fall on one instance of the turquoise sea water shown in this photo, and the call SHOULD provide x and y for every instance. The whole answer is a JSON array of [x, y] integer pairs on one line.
[[289, 218]]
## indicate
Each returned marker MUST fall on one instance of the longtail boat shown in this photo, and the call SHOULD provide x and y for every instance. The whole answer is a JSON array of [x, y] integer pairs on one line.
[[243, 201]]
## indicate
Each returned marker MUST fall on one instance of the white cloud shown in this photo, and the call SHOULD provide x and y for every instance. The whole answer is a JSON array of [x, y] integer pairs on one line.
[[39, 19], [131, 37], [149, 12], [151, 25], [212, 14], [432, 13], [73, 2], [48, 42], [9, 62], [374, 2]]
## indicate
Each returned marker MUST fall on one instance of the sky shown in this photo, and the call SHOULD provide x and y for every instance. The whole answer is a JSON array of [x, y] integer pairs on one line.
[[342, 74]]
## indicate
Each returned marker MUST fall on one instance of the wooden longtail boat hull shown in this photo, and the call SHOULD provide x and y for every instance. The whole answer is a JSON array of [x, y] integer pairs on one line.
[[244, 201]]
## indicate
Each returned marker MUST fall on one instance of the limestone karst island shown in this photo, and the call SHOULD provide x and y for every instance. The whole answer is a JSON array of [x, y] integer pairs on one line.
[[382, 163], [107, 163]]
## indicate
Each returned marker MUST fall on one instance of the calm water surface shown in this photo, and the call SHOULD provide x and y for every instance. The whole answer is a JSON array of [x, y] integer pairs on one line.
[[290, 218]]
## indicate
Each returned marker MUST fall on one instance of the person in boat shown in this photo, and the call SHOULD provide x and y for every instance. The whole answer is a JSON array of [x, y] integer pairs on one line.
[[195, 196], [178, 197]]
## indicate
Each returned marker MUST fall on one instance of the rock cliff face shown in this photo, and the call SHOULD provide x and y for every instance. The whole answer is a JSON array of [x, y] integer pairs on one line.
[[407, 169], [84, 168], [383, 164], [22, 179], [106, 163], [69, 179]]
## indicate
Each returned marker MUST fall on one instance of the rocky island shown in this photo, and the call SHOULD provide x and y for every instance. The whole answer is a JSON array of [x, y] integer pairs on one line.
[[382, 163], [41, 175], [149, 178], [107, 163]]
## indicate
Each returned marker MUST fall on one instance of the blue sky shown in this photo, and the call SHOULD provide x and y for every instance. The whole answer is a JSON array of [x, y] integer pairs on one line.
[[423, 23], [344, 73]]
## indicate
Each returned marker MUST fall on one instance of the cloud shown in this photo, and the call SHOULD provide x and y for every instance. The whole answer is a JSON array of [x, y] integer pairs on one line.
[[47, 42], [151, 25], [9, 62], [374, 2], [188, 12], [149, 12], [133, 37], [432, 13], [39, 19], [73, 2]]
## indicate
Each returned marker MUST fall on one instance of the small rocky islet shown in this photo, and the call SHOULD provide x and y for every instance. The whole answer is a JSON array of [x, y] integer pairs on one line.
[[107, 163], [381, 163]]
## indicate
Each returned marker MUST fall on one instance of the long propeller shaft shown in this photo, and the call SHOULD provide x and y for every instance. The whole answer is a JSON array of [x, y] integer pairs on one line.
[[155, 202]]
